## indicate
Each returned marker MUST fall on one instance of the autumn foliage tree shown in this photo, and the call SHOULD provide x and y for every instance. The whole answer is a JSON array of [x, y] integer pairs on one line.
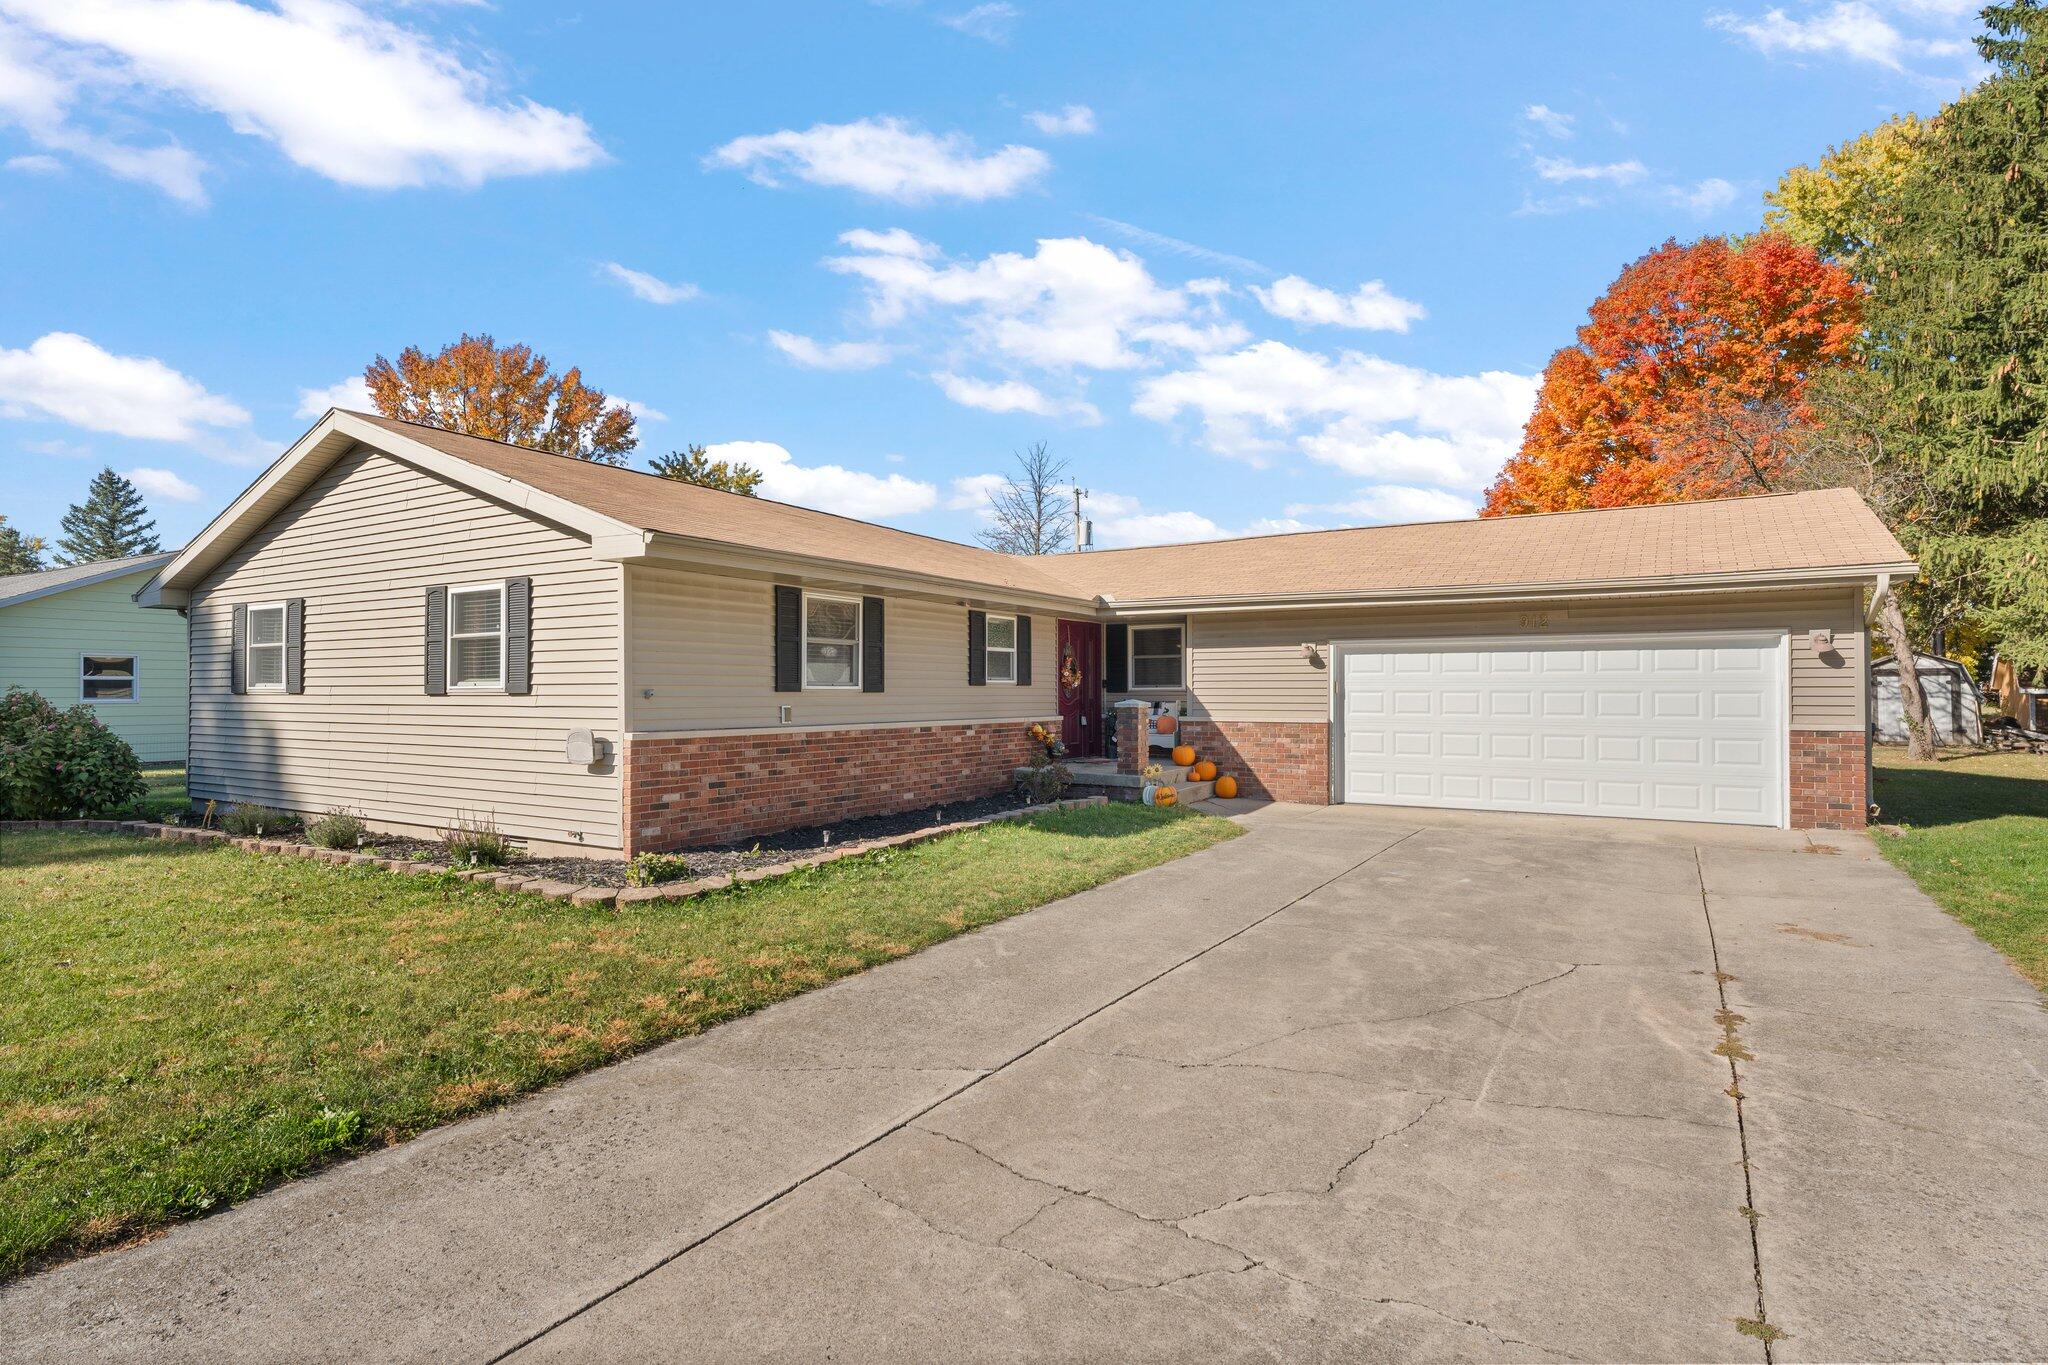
[[1687, 381], [504, 393]]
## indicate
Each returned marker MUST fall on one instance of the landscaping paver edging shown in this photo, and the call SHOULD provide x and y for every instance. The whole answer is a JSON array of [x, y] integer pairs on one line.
[[504, 880]]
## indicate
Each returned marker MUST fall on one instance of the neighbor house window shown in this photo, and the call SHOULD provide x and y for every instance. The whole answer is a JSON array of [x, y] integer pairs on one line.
[[264, 665], [831, 641], [476, 636], [1002, 649], [106, 677], [1156, 657]]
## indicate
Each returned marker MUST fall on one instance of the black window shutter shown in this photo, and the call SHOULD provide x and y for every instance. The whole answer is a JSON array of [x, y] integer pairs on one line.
[[238, 647], [518, 636], [437, 642], [977, 649], [1116, 657], [870, 644], [789, 639], [1023, 651], [295, 646]]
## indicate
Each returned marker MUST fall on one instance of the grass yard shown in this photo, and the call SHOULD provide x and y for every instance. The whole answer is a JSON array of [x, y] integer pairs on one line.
[[165, 794], [1976, 840], [183, 1025]]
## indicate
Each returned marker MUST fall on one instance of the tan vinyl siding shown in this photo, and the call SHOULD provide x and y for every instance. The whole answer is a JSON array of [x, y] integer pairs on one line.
[[703, 644], [41, 642], [361, 546], [1249, 666]]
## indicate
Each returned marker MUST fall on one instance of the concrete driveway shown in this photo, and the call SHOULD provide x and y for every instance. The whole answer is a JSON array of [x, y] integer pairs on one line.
[[1364, 1084]]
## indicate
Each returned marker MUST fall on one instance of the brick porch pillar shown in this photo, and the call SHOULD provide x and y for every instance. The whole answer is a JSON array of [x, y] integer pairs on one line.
[[1132, 751]]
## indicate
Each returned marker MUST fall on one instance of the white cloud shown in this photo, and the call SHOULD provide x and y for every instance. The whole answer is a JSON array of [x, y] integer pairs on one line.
[[1123, 521], [1361, 413], [1072, 302], [1372, 306], [836, 355], [894, 242], [341, 91], [37, 99], [1161, 242], [1394, 503], [642, 412], [1011, 395], [1071, 121], [1849, 29], [829, 487], [65, 376], [1707, 196], [36, 164], [884, 157], [163, 484], [351, 393], [1549, 120], [1563, 170], [650, 288], [990, 22], [971, 492]]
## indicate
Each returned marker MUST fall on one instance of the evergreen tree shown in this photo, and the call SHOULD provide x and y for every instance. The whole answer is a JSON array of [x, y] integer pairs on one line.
[[1955, 391], [112, 523], [695, 465], [20, 553]]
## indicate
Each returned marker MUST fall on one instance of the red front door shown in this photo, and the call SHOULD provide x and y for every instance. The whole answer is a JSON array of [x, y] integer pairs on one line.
[[1080, 684]]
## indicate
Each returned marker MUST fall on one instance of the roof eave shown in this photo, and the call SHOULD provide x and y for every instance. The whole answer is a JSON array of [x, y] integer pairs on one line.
[[87, 581], [668, 547], [327, 440], [1860, 575]]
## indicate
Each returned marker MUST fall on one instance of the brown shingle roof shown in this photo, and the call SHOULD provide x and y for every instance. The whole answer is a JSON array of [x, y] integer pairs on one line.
[[1832, 529]]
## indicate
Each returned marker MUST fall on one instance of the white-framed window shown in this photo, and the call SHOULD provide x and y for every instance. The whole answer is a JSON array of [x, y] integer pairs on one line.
[[1001, 648], [831, 642], [1156, 659], [107, 678], [263, 654], [476, 637]]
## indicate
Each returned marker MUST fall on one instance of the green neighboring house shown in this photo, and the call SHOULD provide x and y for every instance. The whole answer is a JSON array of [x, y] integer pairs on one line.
[[76, 635]]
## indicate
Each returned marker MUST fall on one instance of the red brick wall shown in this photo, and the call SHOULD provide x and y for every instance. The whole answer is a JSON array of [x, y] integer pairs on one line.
[[1830, 779], [707, 789], [1280, 760]]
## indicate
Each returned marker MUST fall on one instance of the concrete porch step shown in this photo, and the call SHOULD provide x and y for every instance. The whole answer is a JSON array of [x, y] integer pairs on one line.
[[1088, 777]]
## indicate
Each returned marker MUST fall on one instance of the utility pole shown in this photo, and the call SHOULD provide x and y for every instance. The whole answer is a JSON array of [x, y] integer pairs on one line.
[[1084, 529]]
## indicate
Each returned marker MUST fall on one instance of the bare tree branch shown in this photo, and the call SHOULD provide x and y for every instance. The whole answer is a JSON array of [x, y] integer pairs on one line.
[[1028, 514]]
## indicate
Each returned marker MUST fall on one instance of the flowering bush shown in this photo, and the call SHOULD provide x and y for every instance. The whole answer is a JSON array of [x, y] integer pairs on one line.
[[56, 765]]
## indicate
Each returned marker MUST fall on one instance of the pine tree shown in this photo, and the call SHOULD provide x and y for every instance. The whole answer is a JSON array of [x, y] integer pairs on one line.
[[695, 465], [112, 523], [20, 553], [1957, 339]]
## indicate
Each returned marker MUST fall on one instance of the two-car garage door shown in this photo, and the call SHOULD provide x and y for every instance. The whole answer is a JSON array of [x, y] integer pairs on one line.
[[1683, 727]]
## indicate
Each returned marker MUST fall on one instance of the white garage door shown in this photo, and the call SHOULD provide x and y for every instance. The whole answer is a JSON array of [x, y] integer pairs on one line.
[[1663, 728]]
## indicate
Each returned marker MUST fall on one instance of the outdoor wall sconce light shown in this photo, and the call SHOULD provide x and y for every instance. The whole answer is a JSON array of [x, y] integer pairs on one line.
[[1822, 640]]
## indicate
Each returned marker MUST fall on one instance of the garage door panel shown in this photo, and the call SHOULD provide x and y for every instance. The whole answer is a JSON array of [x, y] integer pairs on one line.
[[1638, 727]]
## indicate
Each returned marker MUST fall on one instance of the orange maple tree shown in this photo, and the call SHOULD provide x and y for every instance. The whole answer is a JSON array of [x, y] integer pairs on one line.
[[1688, 379], [505, 393]]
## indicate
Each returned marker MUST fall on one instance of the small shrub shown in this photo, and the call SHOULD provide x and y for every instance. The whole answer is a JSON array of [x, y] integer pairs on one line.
[[339, 828], [249, 820], [58, 764], [475, 841], [651, 869], [1044, 780], [333, 1129]]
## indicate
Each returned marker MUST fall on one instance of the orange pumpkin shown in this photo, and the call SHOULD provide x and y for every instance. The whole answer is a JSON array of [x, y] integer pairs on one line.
[[1204, 771], [1165, 796], [1226, 786], [1184, 756], [1164, 725]]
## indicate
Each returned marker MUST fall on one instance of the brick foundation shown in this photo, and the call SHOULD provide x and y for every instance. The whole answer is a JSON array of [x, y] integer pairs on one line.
[[1830, 778], [1278, 760], [706, 789]]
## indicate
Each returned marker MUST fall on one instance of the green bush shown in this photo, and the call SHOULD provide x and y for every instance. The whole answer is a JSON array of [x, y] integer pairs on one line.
[[1044, 780], [339, 828], [56, 765], [249, 820], [651, 869], [476, 842]]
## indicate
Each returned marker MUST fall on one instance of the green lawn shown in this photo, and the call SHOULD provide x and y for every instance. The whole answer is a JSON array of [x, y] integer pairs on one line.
[[165, 794], [1976, 840], [184, 1025]]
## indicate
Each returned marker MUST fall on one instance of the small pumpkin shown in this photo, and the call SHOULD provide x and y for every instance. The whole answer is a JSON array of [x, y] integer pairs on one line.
[[1165, 796], [1204, 771], [1165, 725], [1184, 756], [1226, 786]]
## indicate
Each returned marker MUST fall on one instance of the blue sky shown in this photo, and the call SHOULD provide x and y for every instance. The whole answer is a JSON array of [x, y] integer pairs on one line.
[[1245, 267]]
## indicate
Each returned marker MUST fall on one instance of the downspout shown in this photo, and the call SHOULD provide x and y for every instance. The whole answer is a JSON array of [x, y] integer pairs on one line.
[[1884, 585]]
